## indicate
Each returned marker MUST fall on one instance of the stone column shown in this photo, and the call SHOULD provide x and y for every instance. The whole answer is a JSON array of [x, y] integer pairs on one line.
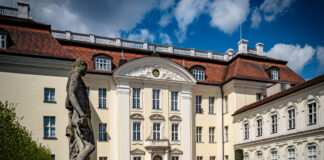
[[187, 126], [124, 132], [166, 156], [220, 127], [113, 121]]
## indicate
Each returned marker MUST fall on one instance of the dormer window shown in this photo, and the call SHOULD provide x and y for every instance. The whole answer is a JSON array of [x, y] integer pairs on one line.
[[198, 72], [102, 62], [273, 73], [3, 42]]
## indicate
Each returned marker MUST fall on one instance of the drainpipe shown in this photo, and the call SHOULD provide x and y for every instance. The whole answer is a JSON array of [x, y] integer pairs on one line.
[[220, 125]]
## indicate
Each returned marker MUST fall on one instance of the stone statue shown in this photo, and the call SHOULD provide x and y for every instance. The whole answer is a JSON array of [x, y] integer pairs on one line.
[[79, 130]]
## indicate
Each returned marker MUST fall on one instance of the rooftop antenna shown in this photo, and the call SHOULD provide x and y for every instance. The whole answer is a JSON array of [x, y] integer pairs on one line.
[[241, 26]]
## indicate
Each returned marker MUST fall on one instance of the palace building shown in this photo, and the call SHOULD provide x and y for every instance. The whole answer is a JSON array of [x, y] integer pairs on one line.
[[156, 102]]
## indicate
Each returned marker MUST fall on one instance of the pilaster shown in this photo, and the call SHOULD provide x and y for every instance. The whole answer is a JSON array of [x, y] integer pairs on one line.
[[187, 129]]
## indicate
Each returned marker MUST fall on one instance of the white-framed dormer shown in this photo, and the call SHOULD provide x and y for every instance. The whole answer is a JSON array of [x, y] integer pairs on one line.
[[137, 126], [157, 119], [175, 120], [172, 100], [102, 62]]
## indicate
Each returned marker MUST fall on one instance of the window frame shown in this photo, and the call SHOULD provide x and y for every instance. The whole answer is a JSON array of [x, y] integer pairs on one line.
[[312, 117], [102, 64], [3, 41], [199, 134], [258, 153], [156, 99], [212, 135], [136, 98], [199, 109], [246, 127], [313, 156], [102, 132], [259, 125], [137, 133], [291, 148], [50, 98], [175, 136], [291, 119], [271, 154], [156, 132], [274, 123], [50, 127], [226, 104], [174, 101], [226, 132], [102, 98], [211, 105]]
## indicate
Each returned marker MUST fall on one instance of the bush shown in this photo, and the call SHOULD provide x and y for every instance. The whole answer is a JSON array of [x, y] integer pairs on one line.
[[239, 154], [15, 140]]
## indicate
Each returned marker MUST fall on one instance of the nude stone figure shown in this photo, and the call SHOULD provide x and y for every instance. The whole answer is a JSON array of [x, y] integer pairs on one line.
[[79, 129]]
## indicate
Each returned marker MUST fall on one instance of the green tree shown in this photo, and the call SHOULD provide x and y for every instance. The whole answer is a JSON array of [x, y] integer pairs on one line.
[[15, 140], [239, 154]]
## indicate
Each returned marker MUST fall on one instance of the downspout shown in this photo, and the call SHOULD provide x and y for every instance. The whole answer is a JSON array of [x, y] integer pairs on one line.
[[220, 125]]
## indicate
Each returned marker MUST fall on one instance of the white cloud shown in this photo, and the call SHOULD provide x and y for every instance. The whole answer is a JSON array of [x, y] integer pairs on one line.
[[165, 4], [296, 55], [228, 14], [143, 35], [186, 12], [320, 56], [165, 38], [165, 19], [272, 8], [256, 18]]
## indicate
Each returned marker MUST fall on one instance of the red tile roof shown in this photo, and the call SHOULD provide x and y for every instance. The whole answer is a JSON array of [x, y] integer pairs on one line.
[[34, 39], [289, 91]]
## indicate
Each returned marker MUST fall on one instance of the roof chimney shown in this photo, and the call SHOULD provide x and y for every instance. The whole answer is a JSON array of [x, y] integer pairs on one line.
[[242, 44], [230, 53], [23, 9], [259, 48]]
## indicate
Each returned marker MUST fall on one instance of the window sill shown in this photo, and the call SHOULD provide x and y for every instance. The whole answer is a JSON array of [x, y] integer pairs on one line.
[[259, 136], [139, 142], [137, 109], [50, 102], [199, 113], [157, 110], [103, 108], [199, 142], [290, 129], [246, 138], [103, 141], [212, 113], [50, 138], [274, 132], [176, 142], [212, 142], [311, 124]]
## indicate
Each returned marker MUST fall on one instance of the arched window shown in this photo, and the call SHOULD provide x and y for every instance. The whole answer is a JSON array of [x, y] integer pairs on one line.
[[198, 72], [311, 151], [274, 122], [246, 130], [102, 62], [291, 117], [291, 153], [259, 155], [259, 126], [312, 106], [274, 154]]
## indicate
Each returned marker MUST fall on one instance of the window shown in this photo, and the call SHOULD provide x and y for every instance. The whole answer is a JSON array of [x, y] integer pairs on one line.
[[198, 104], [3, 42], [102, 98], [102, 132], [102, 158], [88, 91], [211, 105], [246, 130], [226, 157], [199, 158], [175, 158], [226, 134], [311, 152], [291, 118], [156, 131], [259, 155], [49, 127], [136, 98], [274, 155], [199, 74], [212, 158], [156, 99], [49, 95], [226, 104], [136, 158], [211, 134], [53, 157], [259, 127], [174, 101], [258, 96], [175, 132], [274, 124], [312, 113], [291, 153], [103, 64], [136, 131], [246, 157], [198, 134], [274, 74]]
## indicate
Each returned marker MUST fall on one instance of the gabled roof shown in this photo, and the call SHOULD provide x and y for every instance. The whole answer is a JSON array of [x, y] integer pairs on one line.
[[281, 94]]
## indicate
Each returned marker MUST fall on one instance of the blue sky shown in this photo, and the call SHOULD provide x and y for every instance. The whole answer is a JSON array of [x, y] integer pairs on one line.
[[290, 29]]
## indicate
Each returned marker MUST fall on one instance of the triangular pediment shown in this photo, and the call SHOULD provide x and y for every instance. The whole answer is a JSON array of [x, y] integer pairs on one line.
[[155, 68], [175, 118], [176, 151], [137, 116], [137, 152], [157, 117]]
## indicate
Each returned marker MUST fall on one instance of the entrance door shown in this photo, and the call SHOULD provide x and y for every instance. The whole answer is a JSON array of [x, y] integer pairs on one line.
[[157, 158]]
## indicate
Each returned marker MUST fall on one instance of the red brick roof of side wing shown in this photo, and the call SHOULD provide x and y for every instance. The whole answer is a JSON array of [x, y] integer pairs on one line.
[[276, 96]]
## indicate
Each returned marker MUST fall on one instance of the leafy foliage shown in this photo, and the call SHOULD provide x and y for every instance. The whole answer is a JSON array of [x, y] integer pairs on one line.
[[15, 139], [239, 154]]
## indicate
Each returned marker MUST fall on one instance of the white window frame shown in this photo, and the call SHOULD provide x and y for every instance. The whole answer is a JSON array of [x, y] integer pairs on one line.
[[198, 74], [175, 133], [156, 99], [50, 127], [49, 94], [175, 157], [291, 153], [226, 133], [211, 134], [274, 154], [246, 130], [199, 109], [312, 111], [102, 98], [102, 158], [259, 126], [274, 74], [199, 134], [3, 42], [274, 123], [103, 64], [291, 118], [258, 96], [140, 131], [259, 155], [157, 132], [211, 108], [311, 155], [175, 101], [137, 157], [102, 132], [136, 98], [212, 157], [246, 156], [226, 104], [199, 158]]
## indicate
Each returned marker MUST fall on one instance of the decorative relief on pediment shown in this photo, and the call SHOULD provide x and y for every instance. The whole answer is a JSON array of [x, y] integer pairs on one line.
[[137, 152], [176, 151], [155, 72], [157, 117], [137, 116], [175, 118]]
